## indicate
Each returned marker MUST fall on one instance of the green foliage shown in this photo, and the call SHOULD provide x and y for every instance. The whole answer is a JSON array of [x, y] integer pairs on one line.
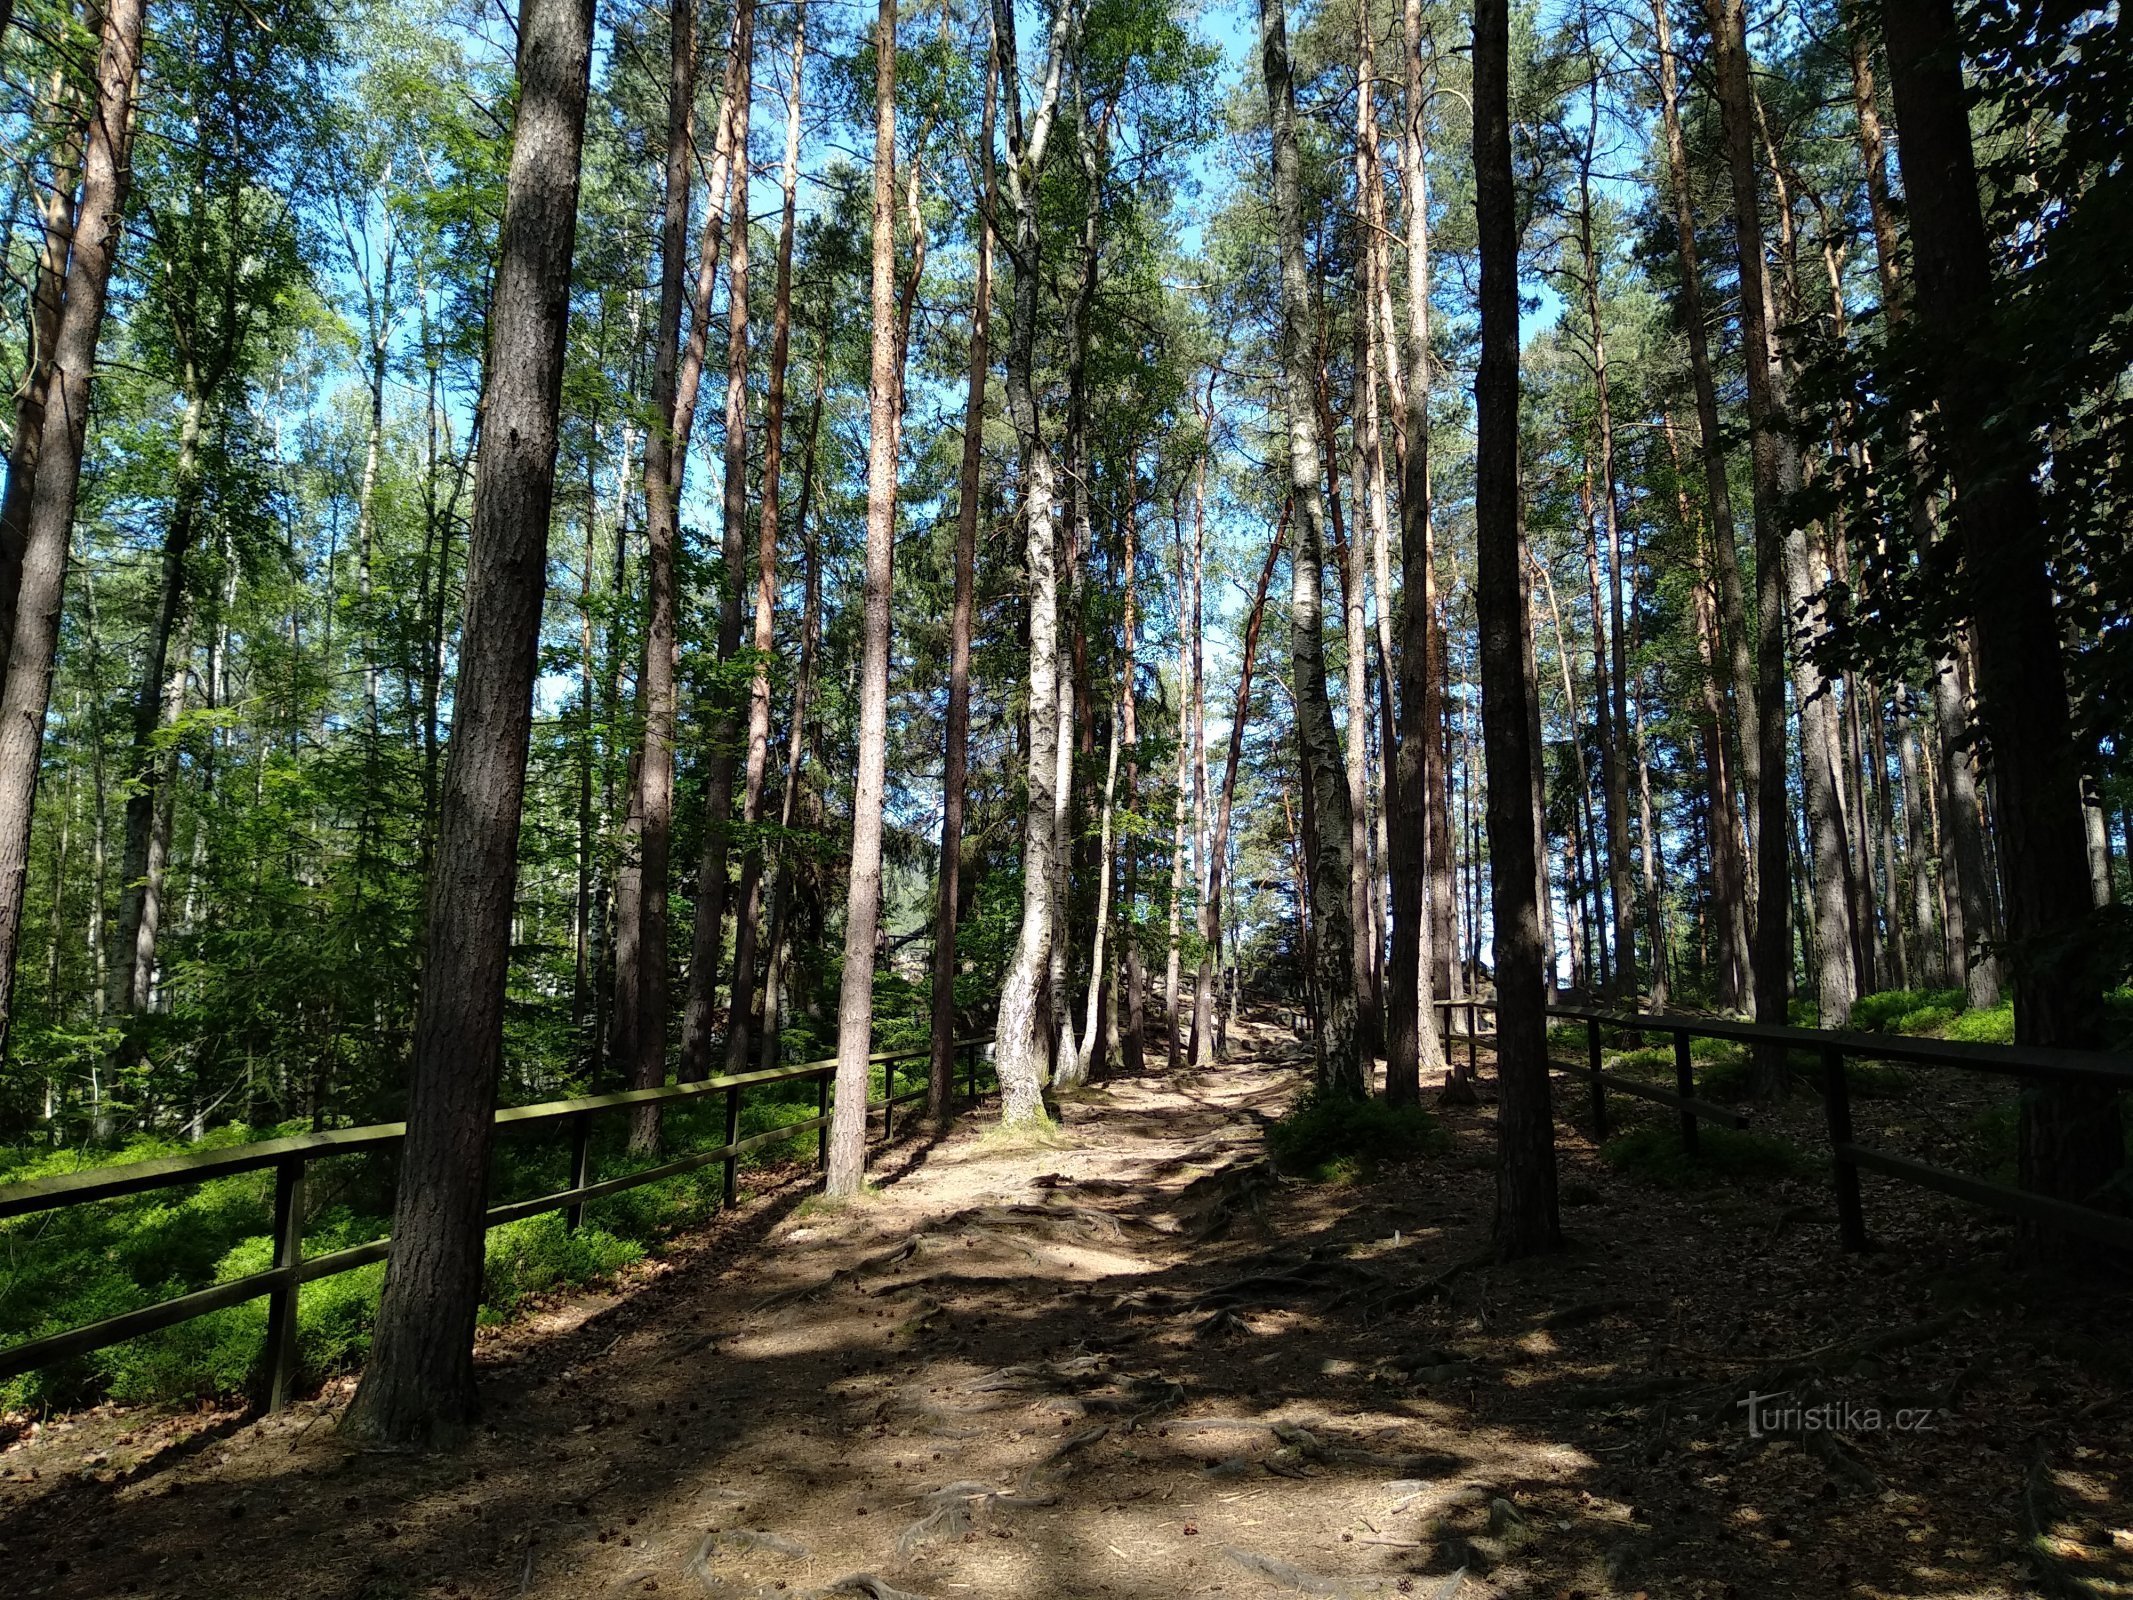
[[1330, 1139], [1923, 1012], [1654, 1153], [79, 1265]]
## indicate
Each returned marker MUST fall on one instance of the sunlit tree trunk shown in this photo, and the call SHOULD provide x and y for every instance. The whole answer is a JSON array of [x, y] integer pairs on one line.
[[641, 998], [49, 517], [713, 886], [940, 1081], [1414, 1042], [1776, 471], [862, 917], [1218, 844], [1338, 1041], [1021, 1033], [740, 1012], [418, 1385]]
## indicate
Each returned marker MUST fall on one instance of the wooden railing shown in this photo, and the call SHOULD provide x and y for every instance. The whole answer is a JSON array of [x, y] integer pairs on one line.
[[2028, 1063], [289, 1157]]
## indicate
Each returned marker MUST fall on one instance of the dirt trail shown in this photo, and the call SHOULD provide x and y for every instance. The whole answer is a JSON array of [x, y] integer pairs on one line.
[[1130, 1362], [1002, 1374]]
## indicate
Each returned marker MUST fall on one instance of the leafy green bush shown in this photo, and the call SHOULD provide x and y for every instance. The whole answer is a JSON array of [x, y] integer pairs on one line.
[[1328, 1139], [1654, 1153], [1921, 1012], [1995, 1026]]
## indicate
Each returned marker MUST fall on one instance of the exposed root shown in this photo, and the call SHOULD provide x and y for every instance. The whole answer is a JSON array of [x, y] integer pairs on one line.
[[865, 1583], [1291, 1576]]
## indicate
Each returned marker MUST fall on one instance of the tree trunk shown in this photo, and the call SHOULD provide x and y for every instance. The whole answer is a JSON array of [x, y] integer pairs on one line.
[[1338, 1042], [641, 1010], [1086, 1055], [1776, 472], [1738, 647], [940, 1081], [1525, 1123], [158, 699], [740, 1012], [707, 942], [49, 518], [862, 917], [1181, 814], [796, 735], [1021, 1043], [2071, 1143], [418, 1386], [1414, 1042], [47, 303], [1218, 847], [1611, 673]]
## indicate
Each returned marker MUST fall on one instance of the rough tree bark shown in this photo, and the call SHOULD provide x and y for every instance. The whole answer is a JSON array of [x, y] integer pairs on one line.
[[49, 518], [1021, 1034], [940, 1080], [1776, 470], [2070, 1141], [418, 1386], [1525, 1167], [740, 1011], [1414, 1043], [641, 985], [708, 936], [862, 917], [1338, 1041], [1733, 863]]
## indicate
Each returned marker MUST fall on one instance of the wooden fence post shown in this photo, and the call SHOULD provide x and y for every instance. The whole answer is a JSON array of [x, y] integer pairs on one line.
[[1685, 1086], [733, 1137], [822, 1109], [1837, 1106], [1599, 1084], [281, 1300], [888, 1099], [580, 1167]]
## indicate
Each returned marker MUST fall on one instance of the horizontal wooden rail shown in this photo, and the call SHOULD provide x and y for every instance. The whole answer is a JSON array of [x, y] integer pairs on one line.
[[289, 1157], [1832, 1048]]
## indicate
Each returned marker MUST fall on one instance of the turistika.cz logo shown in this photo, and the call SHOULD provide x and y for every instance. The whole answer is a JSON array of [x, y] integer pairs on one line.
[[1785, 1413]]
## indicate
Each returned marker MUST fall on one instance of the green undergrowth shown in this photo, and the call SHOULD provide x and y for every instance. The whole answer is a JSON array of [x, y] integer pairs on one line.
[[62, 1269], [1653, 1152], [1328, 1139]]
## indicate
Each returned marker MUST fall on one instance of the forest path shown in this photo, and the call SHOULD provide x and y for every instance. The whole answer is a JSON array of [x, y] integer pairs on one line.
[[1128, 1361], [1008, 1371]]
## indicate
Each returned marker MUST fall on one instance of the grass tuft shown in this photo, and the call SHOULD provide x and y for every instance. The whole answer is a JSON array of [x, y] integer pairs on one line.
[[1338, 1140], [1654, 1153]]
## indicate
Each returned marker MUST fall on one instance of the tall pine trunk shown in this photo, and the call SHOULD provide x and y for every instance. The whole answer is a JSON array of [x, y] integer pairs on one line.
[[641, 997], [940, 1080], [2071, 1142], [1022, 1043], [1525, 1121], [1776, 471], [1338, 1041], [862, 917], [708, 936], [740, 1012], [49, 518], [418, 1386]]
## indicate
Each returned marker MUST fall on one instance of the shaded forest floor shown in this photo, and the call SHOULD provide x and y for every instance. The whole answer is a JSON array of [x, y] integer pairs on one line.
[[1130, 1360]]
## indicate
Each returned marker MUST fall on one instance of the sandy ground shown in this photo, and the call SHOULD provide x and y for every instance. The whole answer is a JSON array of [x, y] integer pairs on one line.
[[1128, 1360]]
